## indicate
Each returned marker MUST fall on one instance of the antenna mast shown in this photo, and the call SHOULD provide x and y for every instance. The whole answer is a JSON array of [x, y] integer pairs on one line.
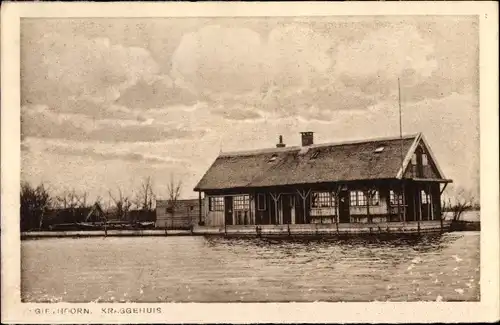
[[402, 153], [400, 128]]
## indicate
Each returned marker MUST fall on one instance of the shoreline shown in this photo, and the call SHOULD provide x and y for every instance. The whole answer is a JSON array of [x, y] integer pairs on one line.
[[272, 231]]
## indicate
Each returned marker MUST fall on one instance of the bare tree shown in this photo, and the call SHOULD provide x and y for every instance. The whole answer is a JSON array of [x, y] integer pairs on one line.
[[34, 204], [463, 201], [122, 204], [145, 198], [71, 199], [174, 192]]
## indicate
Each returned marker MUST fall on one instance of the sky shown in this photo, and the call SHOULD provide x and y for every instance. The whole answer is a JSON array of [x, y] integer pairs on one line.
[[106, 103]]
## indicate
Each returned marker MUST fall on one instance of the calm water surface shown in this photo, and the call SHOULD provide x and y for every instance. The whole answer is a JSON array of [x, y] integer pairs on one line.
[[197, 269]]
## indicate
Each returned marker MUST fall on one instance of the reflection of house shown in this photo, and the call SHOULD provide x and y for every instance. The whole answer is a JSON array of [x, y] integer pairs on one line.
[[351, 182], [179, 216]]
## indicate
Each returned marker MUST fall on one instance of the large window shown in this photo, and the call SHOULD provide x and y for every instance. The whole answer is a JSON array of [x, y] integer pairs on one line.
[[261, 202], [358, 198], [216, 203], [322, 200], [241, 202], [426, 199], [395, 198]]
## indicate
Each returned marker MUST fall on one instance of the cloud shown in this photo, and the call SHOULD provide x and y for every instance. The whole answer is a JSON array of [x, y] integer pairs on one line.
[[238, 114], [110, 155], [160, 93], [299, 70], [41, 121], [218, 59], [79, 67]]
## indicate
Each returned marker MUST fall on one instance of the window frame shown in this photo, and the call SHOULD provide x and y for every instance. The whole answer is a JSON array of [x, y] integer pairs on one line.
[[425, 159], [360, 198], [424, 197], [324, 199], [216, 203], [241, 202], [395, 198], [376, 195]]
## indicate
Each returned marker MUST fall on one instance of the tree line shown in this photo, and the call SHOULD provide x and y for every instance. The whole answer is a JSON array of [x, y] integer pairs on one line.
[[36, 202]]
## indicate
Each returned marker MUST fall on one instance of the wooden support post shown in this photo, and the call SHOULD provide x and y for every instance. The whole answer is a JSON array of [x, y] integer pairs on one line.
[[397, 196], [429, 202], [337, 192], [199, 205], [419, 198], [303, 194], [368, 196], [275, 199], [403, 199]]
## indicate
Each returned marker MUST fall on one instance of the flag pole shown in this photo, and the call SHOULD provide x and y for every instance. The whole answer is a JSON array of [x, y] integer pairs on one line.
[[402, 153]]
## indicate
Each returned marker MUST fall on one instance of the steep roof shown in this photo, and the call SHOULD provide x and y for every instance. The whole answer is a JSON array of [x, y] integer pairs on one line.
[[319, 163]]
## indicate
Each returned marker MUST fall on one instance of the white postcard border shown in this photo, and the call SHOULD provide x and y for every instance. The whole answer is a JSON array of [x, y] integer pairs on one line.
[[13, 311]]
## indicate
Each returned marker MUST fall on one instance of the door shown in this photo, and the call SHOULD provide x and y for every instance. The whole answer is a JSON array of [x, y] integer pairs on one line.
[[228, 210], [287, 206], [344, 214]]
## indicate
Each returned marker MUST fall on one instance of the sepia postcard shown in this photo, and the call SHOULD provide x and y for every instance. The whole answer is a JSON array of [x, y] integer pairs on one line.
[[250, 162]]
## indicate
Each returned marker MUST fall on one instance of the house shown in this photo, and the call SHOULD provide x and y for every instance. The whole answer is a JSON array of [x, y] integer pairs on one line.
[[181, 215], [349, 182], [74, 215]]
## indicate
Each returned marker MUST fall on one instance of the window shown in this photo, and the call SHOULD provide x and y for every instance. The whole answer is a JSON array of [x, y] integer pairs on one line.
[[395, 198], [241, 202], [358, 198], [216, 203], [315, 154], [261, 201], [379, 149], [322, 200], [425, 197], [375, 198], [414, 159], [424, 160]]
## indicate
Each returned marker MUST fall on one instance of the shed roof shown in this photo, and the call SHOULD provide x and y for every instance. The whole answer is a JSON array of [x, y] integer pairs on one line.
[[367, 159]]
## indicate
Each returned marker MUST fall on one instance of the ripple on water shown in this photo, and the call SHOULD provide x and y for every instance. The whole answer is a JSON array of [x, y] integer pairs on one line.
[[181, 269]]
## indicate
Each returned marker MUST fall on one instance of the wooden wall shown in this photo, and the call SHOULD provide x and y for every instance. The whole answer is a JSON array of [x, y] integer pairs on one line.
[[185, 214]]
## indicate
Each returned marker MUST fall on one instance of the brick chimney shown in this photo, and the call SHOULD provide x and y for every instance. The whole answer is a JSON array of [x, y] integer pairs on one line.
[[307, 138], [280, 144]]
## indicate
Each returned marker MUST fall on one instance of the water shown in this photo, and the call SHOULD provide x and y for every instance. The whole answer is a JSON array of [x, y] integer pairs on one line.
[[466, 215], [197, 269]]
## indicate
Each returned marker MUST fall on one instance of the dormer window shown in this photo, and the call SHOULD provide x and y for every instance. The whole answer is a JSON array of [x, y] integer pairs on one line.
[[379, 149], [315, 155]]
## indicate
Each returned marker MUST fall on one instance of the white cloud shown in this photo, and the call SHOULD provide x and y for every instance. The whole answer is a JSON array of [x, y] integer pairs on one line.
[[81, 67], [387, 53]]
